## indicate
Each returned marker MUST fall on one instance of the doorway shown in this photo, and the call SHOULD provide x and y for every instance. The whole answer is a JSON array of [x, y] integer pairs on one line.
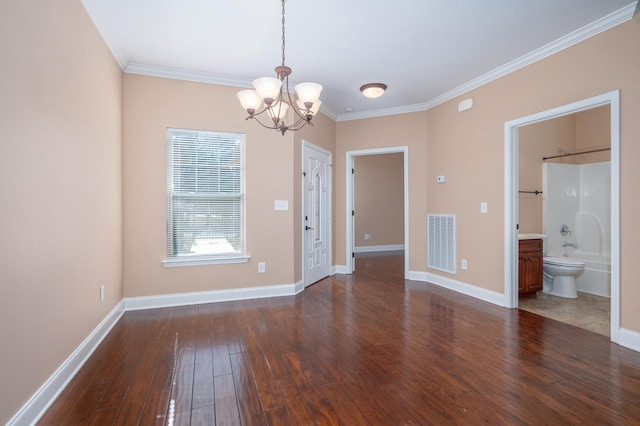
[[350, 202], [316, 211], [512, 187]]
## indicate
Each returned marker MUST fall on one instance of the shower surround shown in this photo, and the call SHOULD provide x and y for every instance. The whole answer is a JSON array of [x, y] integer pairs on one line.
[[578, 195]]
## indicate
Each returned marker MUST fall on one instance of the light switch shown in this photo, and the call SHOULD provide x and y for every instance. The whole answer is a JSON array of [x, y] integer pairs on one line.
[[483, 207]]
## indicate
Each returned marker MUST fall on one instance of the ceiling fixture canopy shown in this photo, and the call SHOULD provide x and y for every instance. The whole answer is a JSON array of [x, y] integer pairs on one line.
[[273, 97], [373, 90]]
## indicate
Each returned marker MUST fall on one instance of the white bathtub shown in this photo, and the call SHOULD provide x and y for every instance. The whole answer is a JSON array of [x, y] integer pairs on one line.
[[596, 278]]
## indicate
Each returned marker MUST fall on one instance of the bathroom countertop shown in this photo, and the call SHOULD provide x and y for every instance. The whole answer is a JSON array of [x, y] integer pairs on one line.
[[532, 236]]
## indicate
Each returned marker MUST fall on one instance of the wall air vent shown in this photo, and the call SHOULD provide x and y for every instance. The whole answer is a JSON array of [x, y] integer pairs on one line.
[[442, 242]]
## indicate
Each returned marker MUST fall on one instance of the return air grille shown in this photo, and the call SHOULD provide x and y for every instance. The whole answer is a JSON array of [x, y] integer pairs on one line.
[[442, 242]]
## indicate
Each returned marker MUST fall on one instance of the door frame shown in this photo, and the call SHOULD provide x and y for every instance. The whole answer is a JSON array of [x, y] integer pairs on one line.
[[350, 228], [308, 145], [511, 196]]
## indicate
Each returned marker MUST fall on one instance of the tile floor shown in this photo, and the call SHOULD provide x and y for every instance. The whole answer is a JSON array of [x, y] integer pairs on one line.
[[588, 311]]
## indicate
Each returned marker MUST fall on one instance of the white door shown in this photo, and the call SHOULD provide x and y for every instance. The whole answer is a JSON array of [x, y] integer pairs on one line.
[[316, 219]]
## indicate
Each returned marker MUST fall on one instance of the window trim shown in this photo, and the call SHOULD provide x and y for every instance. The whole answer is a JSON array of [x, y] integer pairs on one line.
[[181, 260]]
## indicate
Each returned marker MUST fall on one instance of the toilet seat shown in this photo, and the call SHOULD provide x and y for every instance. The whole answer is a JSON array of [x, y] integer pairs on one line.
[[562, 261]]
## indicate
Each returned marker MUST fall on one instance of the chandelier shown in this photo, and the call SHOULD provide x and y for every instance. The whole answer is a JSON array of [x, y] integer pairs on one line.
[[272, 98]]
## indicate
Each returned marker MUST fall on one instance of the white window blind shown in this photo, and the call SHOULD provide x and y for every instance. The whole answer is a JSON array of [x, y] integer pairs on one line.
[[205, 194]]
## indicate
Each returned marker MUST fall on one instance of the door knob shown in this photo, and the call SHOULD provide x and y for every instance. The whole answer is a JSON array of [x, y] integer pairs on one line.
[[306, 228]]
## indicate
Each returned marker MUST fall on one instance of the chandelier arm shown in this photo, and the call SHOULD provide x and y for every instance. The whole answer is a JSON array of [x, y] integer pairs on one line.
[[276, 126]]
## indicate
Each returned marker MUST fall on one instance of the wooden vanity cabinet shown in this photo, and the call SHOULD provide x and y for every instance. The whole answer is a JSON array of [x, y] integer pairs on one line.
[[529, 266]]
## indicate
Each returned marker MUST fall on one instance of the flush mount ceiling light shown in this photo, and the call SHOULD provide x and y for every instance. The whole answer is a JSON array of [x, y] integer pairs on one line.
[[373, 90], [274, 97]]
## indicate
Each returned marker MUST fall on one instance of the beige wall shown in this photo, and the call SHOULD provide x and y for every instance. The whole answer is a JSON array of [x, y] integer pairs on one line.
[[379, 199], [61, 190], [74, 137], [392, 131], [150, 106], [593, 131], [537, 141], [469, 148]]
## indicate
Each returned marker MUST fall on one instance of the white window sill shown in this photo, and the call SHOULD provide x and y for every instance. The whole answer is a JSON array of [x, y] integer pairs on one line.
[[175, 262]]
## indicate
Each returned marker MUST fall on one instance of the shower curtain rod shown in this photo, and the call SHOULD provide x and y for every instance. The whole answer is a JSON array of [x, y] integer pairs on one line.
[[576, 153]]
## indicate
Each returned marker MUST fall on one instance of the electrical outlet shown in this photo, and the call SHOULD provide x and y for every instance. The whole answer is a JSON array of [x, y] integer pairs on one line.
[[101, 294], [367, 236], [262, 266], [464, 264]]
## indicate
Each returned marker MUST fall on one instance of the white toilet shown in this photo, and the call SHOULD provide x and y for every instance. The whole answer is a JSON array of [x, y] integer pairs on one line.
[[559, 276]]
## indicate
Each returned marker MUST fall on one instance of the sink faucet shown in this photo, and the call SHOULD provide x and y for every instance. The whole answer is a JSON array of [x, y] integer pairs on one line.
[[566, 244]]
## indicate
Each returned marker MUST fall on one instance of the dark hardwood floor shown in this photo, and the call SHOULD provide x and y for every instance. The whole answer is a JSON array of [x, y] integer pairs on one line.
[[366, 349]]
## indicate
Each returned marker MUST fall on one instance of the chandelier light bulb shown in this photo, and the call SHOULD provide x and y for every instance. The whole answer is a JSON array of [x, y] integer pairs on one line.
[[267, 88], [278, 111], [249, 100], [308, 92], [314, 109]]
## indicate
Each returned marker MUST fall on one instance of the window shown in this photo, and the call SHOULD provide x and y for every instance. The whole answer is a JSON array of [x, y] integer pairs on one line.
[[205, 197]]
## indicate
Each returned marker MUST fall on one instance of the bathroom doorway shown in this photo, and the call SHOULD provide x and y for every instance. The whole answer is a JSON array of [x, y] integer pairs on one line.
[[514, 131], [564, 197]]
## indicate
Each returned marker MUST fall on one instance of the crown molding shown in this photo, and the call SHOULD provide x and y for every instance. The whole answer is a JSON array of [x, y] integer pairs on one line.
[[187, 75], [97, 15], [605, 23], [99, 18], [201, 77], [349, 116]]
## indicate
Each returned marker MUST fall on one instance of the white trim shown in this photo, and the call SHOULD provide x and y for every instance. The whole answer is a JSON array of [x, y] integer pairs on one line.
[[38, 404], [350, 158], [369, 249], [200, 77], [341, 269], [298, 287], [176, 262], [417, 276], [630, 339], [511, 204], [406, 109], [186, 75], [459, 287], [196, 298]]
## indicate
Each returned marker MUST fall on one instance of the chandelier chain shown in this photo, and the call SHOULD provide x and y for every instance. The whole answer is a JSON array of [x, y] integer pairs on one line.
[[283, 39]]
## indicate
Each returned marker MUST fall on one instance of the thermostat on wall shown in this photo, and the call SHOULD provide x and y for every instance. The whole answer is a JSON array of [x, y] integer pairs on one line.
[[441, 179]]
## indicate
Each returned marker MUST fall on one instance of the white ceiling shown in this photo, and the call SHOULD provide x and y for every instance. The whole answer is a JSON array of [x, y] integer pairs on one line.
[[426, 51]]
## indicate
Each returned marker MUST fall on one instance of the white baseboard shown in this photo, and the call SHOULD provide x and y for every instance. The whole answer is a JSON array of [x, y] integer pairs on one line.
[[38, 404], [341, 269], [416, 276], [630, 339], [459, 287], [196, 298], [369, 249]]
